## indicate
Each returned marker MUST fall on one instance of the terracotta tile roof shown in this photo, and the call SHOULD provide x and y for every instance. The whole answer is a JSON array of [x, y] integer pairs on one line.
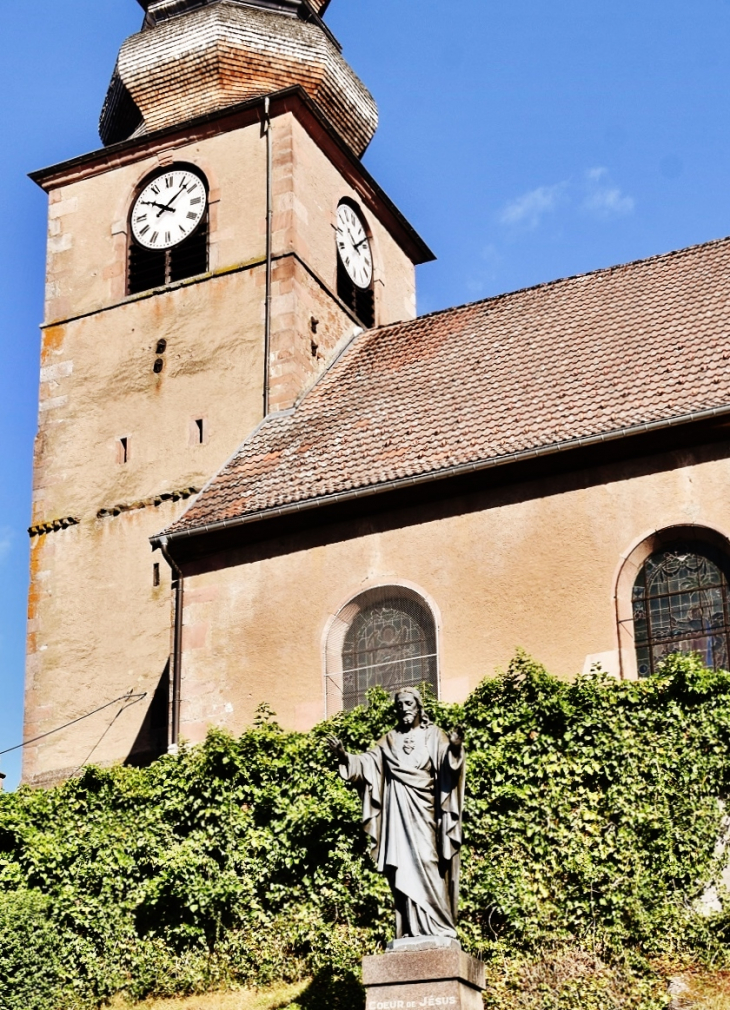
[[572, 359]]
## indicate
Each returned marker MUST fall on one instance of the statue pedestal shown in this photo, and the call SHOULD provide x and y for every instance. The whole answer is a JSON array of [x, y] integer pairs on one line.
[[419, 973]]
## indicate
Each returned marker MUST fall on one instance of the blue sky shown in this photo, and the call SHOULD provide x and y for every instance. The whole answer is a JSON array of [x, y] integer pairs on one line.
[[524, 140]]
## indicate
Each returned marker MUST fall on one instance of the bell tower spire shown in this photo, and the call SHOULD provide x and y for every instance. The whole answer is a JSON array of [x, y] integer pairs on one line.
[[197, 57]]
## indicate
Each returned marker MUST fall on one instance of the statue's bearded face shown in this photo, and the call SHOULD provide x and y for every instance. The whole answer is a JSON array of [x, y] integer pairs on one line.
[[407, 708]]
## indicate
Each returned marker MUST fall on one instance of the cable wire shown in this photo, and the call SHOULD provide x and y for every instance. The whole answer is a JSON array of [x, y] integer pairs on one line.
[[125, 706], [129, 698]]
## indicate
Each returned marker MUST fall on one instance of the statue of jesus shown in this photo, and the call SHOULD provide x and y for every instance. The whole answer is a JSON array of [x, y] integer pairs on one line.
[[412, 785]]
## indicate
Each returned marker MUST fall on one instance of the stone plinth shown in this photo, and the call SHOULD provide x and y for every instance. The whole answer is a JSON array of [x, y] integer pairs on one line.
[[422, 972]]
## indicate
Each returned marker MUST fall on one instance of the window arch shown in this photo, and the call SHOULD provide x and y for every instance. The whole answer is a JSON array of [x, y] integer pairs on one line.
[[152, 268], [386, 637], [680, 604]]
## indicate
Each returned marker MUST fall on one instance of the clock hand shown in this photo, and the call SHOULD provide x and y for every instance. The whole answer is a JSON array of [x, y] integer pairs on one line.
[[169, 205], [361, 243], [152, 203]]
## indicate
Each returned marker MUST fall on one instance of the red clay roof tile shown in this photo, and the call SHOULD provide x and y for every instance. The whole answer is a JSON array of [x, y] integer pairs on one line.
[[575, 358]]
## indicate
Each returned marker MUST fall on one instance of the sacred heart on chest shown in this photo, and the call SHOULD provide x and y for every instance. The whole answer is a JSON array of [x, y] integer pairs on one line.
[[409, 745]]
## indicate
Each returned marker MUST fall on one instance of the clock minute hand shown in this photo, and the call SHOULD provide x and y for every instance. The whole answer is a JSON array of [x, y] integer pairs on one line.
[[169, 205], [361, 243]]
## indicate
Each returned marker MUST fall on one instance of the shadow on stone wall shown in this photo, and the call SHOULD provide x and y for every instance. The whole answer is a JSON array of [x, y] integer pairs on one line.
[[152, 739]]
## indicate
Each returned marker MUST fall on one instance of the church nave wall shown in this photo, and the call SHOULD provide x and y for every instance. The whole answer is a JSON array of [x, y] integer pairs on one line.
[[533, 565]]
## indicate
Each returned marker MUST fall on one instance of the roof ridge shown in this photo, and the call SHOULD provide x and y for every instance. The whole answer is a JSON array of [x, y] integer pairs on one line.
[[341, 347], [671, 253]]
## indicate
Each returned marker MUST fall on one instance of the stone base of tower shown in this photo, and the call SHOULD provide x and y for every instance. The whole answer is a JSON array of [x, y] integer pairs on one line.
[[423, 972]]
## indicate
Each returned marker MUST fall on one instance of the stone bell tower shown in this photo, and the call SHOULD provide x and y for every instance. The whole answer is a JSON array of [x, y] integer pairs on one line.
[[197, 278]]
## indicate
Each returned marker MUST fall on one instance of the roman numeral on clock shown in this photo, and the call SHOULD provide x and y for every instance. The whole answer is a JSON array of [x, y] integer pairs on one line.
[[171, 218]]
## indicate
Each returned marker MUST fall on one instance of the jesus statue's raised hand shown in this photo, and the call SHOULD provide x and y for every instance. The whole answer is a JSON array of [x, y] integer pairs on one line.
[[456, 740], [337, 748]]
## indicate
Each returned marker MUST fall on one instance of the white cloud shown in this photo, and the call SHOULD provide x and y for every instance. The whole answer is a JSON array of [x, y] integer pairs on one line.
[[603, 198], [529, 209], [596, 194]]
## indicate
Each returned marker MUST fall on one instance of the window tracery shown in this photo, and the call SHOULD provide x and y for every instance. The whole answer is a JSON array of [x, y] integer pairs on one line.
[[391, 645], [680, 604], [387, 638]]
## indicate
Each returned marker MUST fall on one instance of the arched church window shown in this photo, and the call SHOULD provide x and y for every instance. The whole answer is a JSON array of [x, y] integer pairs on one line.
[[355, 271], [680, 604], [168, 229], [391, 643]]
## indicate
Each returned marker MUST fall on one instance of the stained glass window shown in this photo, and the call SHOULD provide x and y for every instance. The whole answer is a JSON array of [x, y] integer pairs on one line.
[[390, 644], [680, 604]]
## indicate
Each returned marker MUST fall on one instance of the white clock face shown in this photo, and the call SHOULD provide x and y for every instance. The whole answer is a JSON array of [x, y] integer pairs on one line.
[[169, 209], [353, 246]]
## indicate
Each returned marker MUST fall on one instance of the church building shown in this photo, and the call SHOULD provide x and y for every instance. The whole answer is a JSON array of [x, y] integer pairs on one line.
[[260, 477]]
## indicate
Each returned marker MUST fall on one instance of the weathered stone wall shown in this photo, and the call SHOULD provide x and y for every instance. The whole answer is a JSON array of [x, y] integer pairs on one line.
[[318, 189], [307, 190], [89, 218], [97, 625]]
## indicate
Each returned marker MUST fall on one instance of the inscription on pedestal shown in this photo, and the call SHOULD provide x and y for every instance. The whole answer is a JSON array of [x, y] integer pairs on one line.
[[400, 1004], [422, 979]]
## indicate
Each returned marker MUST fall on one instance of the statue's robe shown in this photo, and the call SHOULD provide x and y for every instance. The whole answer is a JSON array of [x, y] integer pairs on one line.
[[412, 787]]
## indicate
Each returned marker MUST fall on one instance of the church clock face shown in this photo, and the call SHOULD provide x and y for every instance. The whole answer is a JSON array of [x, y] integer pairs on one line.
[[169, 209], [353, 246]]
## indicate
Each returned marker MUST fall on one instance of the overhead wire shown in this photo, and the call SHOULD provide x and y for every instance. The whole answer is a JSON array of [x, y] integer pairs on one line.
[[129, 699], [126, 704]]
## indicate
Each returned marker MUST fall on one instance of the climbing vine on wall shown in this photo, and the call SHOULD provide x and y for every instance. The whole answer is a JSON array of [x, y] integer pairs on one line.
[[592, 817]]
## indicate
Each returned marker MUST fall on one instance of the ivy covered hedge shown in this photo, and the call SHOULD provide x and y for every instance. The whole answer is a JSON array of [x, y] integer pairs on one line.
[[593, 812]]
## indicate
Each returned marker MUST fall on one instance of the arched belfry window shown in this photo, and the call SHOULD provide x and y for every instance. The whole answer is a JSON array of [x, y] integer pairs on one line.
[[680, 604], [355, 266], [384, 638], [169, 225]]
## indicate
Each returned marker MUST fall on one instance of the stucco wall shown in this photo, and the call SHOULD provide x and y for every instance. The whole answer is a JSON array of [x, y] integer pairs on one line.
[[96, 625], [98, 385], [534, 566]]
